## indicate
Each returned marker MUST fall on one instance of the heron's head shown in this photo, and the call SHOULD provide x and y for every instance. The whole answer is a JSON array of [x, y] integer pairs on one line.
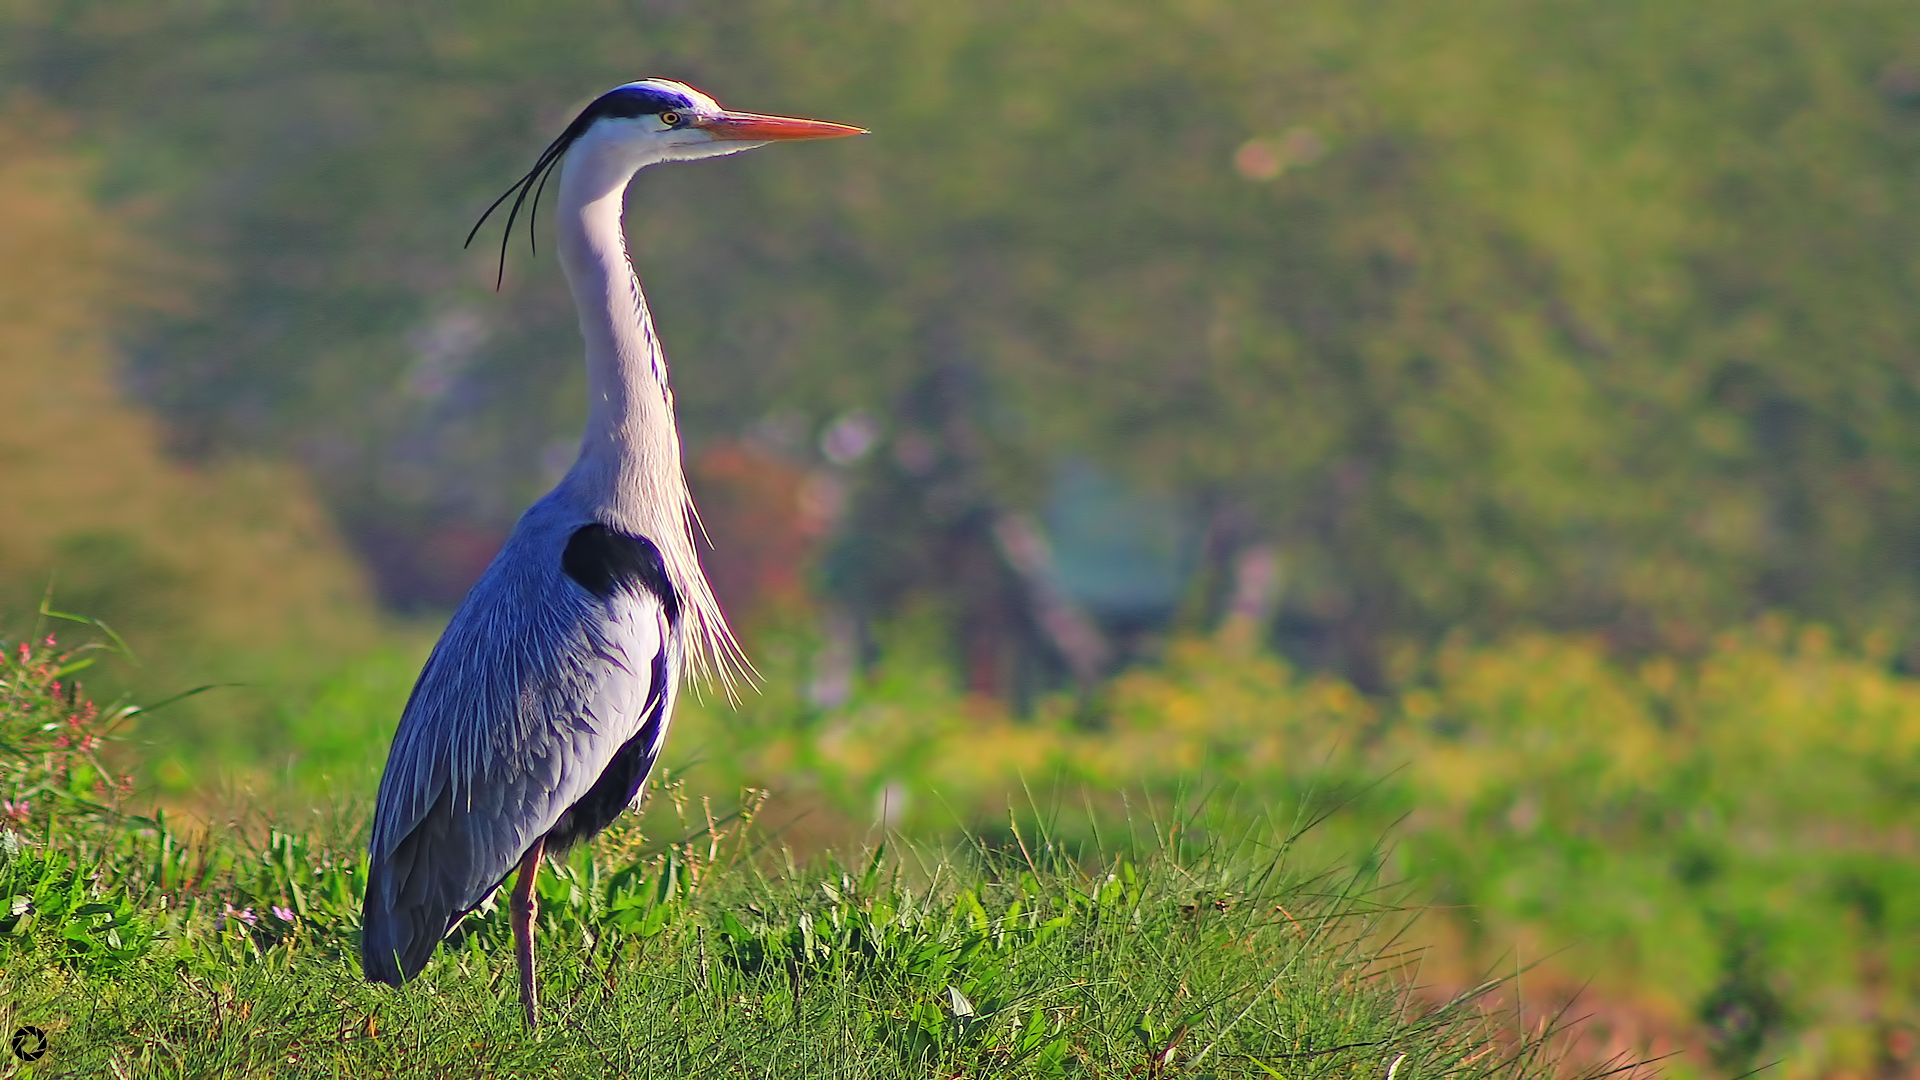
[[635, 125], [662, 120]]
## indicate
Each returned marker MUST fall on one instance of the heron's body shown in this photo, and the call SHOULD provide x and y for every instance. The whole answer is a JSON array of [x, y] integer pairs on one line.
[[559, 684], [545, 704]]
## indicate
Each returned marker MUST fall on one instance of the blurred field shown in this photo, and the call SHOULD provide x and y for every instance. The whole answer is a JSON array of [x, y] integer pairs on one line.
[[1716, 855], [131, 946], [225, 572]]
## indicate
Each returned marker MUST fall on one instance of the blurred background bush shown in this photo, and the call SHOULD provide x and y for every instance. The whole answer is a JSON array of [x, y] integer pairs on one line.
[[1489, 423]]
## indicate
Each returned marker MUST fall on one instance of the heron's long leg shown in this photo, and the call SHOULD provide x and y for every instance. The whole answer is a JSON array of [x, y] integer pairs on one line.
[[521, 910]]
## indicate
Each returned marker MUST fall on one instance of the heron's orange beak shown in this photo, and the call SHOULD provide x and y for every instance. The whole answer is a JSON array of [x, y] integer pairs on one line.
[[752, 127]]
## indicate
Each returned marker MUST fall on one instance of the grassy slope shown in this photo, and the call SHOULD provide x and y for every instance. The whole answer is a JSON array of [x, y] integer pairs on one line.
[[1222, 962], [1716, 853], [140, 951]]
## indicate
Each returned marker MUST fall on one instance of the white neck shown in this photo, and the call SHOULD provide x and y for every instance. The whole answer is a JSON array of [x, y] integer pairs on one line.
[[628, 475]]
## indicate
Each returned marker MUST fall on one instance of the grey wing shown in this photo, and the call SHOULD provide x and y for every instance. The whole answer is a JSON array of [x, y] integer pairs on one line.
[[528, 699]]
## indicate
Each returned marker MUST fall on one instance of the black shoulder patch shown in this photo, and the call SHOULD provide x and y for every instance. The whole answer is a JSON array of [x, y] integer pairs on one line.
[[602, 560]]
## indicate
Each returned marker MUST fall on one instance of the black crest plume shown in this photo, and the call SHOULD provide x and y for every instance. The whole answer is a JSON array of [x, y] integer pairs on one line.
[[533, 183], [623, 102]]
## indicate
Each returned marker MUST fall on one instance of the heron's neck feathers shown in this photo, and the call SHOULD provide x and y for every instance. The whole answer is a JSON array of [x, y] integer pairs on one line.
[[628, 475]]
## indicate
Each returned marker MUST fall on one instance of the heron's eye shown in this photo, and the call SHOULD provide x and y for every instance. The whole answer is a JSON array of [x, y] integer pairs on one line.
[[670, 119]]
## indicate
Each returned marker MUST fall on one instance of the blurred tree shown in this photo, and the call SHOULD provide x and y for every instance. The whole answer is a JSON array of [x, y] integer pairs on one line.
[[211, 573], [1484, 313]]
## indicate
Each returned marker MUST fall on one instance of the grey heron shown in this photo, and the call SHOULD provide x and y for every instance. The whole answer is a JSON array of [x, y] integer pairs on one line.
[[543, 707]]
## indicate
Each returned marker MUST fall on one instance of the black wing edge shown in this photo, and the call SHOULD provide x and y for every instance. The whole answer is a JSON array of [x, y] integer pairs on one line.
[[411, 896]]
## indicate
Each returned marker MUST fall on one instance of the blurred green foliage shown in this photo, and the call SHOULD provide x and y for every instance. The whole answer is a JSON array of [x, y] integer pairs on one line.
[[137, 946], [1722, 847], [213, 572], [1716, 853], [1490, 313]]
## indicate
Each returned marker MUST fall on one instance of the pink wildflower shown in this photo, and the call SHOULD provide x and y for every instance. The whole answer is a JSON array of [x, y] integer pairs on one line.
[[228, 915], [283, 914]]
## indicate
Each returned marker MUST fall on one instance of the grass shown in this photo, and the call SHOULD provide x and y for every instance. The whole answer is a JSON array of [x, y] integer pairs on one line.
[[1163, 963], [1713, 853], [1196, 948]]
